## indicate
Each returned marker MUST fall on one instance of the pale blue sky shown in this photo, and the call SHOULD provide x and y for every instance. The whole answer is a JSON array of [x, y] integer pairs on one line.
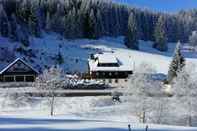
[[163, 5]]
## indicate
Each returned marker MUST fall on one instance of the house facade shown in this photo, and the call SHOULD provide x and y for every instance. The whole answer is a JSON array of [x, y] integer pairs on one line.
[[18, 71], [109, 68]]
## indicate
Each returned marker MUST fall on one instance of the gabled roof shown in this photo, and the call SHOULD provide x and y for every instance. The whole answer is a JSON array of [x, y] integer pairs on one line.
[[15, 61]]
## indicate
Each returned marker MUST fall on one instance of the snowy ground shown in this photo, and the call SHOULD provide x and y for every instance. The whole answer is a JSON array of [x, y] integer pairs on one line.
[[82, 113], [67, 124], [73, 114]]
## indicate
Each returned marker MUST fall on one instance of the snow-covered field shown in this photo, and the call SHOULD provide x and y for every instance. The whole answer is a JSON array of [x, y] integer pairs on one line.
[[73, 114]]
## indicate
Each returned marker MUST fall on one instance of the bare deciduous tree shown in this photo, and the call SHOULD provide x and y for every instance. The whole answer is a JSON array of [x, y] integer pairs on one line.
[[49, 82], [185, 90], [140, 83]]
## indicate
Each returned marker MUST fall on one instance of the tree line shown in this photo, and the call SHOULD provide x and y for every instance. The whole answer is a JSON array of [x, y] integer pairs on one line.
[[92, 19]]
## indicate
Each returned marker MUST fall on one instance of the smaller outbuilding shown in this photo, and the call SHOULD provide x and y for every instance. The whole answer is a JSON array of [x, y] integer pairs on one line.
[[18, 71]]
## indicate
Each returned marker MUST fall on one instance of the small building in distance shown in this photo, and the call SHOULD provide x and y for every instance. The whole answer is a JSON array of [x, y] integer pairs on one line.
[[109, 68], [18, 71]]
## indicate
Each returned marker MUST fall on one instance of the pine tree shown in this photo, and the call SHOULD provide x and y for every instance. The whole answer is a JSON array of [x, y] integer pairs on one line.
[[4, 23], [48, 22], [60, 59], [89, 25], [34, 27], [160, 35], [99, 24], [131, 40], [177, 63], [13, 34], [70, 24], [22, 35], [193, 39]]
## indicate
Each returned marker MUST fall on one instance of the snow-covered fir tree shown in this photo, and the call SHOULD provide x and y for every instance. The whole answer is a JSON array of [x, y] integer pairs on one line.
[[160, 35], [193, 39], [93, 19], [178, 62], [131, 40], [4, 23]]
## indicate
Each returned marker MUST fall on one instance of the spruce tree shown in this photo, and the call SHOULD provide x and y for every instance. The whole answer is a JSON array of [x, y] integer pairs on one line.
[[131, 40], [60, 59], [160, 35], [4, 23], [13, 34], [99, 24], [177, 63], [89, 25], [48, 22], [34, 27]]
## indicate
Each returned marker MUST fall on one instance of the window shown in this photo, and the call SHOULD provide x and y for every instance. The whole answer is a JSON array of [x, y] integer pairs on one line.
[[125, 80], [116, 80], [110, 74], [110, 80], [19, 78], [8, 78], [97, 74], [29, 78]]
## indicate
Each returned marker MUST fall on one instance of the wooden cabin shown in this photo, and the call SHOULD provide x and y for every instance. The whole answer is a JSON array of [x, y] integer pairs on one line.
[[108, 67], [18, 71]]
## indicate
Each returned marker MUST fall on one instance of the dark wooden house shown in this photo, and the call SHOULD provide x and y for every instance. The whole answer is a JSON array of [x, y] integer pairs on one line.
[[18, 71]]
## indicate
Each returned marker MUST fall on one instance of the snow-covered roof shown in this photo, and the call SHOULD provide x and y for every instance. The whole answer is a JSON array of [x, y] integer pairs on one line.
[[18, 59], [124, 62], [106, 58]]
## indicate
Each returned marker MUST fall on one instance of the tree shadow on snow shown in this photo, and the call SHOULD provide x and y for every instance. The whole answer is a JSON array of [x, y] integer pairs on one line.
[[32, 121], [47, 129]]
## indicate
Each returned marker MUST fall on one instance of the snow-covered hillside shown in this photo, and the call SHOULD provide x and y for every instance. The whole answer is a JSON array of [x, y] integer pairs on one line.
[[42, 52]]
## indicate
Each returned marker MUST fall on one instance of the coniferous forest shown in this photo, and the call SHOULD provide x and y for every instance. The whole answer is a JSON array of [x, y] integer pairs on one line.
[[91, 19]]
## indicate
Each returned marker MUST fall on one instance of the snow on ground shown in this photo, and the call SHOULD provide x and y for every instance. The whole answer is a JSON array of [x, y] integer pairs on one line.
[[74, 114], [76, 52], [67, 124], [81, 113]]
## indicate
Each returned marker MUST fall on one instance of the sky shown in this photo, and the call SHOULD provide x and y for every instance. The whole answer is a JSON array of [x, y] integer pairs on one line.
[[172, 6]]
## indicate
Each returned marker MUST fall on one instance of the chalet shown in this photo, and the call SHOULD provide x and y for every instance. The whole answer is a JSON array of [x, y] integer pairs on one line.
[[18, 71], [110, 68]]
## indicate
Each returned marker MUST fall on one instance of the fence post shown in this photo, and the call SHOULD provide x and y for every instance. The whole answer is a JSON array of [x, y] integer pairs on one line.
[[146, 128], [129, 127]]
